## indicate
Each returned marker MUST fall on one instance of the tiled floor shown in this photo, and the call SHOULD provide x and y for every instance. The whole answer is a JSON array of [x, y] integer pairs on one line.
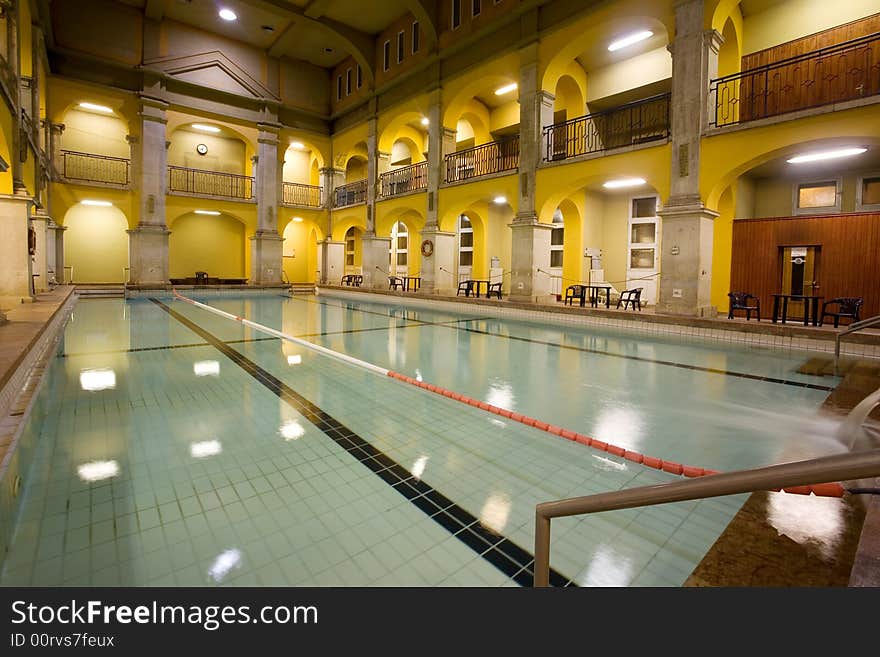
[[199, 470]]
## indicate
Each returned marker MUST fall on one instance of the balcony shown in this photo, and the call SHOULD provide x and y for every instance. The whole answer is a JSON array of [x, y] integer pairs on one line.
[[635, 123], [413, 178], [299, 194], [483, 160], [89, 168], [350, 194], [209, 183], [847, 71]]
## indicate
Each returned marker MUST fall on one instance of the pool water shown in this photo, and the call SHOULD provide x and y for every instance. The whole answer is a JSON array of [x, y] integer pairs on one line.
[[177, 447]]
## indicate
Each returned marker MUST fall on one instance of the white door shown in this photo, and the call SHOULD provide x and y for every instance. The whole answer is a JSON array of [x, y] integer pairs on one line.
[[643, 254], [465, 248]]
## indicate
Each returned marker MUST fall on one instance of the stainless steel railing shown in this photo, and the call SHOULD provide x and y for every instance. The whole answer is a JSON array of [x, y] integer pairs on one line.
[[852, 328]]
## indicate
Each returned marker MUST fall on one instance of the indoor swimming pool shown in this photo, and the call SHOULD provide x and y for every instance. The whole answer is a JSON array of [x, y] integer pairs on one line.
[[178, 448]]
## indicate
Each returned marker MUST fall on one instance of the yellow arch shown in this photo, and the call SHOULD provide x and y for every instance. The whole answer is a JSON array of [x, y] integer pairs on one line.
[[486, 79], [389, 134]]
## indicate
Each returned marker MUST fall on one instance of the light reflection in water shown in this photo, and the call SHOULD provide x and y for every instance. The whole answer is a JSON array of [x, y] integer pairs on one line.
[[495, 512], [419, 467], [98, 470], [607, 568], [224, 563], [500, 394], [94, 380], [608, 464], [206, 368], [620, 426], [205, 448], [292, 430], [808, 519], [295, 359]]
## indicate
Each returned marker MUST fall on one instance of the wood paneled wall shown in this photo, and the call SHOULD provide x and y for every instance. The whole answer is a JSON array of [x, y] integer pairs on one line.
[[847, 264]]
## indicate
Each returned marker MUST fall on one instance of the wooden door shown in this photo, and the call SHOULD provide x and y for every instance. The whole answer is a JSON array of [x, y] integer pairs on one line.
[[799, 276]]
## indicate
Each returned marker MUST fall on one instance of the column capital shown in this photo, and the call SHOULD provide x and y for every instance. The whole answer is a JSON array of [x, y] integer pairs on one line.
[[153, 109], [268, 134], [132, 139], [546, 98], [324, 171], [714, 39], [56, 128]]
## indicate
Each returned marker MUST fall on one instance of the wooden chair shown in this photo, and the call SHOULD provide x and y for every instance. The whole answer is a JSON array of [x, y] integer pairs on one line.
[[395, 283], [740, 301], [573, 292], [494, 289], [846, 307], [465, 286], [632, 297], [357, 279]]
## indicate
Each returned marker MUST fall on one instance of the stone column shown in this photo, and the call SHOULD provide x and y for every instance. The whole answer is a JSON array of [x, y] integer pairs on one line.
[[266, 252], [383, 165], [16, 284], [40, 260], [55, 148], [374, 249], [687, 225], [331, 179], [60, 274], [148, 243], [51, 252], [530, 239], [332, 261], [437, 268]]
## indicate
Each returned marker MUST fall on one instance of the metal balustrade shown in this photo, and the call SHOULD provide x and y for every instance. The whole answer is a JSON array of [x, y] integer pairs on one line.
[[639, 122], [89, 167], [350, 194], [406, 179], [299, 194], [494, 157], [847, 71], [210, 183]]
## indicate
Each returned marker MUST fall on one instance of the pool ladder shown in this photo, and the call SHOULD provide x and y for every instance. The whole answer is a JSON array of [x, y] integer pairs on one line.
[[852, 328]]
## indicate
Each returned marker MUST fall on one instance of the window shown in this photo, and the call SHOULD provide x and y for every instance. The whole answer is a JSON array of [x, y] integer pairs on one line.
[[557, 239], [817, 197], [476, 7], [360, 75], [339, 88], [456, 13], [465, 245], [348, 82], [415, 37], [386, 56], [400, 44], [868, 194], [397, 253], [349, 248]]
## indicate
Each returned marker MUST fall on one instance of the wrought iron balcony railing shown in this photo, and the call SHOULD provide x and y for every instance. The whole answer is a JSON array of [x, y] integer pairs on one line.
[[210, 183], [299, 194], [406, 179], [350, 194], [91, 168], [847, 71], [634, 123], [494, 157]]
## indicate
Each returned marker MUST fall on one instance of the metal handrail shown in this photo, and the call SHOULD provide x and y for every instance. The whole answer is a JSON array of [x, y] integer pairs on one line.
[[91, 167], [852, 328], [209, 183], [301, 194], [351, 193], [839, 467], [410, 178], [482, 160]]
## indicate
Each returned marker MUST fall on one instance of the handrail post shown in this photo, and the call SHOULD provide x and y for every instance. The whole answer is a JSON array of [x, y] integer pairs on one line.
[[542, 550]]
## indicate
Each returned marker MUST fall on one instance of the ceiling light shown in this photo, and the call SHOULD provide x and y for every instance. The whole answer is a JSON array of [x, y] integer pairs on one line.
[[101, 204], [298, 219], [500, 200], [227, 15], [213, 213], [624, 182], [298, 145], [826, 155], [630, 39], [500, 91], [96, 108], [204, 128], [425, 120]]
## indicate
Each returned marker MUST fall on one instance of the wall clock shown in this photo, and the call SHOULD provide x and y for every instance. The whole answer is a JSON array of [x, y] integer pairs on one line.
[[201, 149]]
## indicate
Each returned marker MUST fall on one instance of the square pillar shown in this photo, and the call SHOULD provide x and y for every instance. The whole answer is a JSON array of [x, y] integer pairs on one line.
[[266, 258], [332, 261], [40, 259], [148, 255], [530, 260], [60, 276], [438, 262], [16, 284], [375, 261], [686, 283]]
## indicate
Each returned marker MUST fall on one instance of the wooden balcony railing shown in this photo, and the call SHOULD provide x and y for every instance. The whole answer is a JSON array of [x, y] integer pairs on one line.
[[406, 179], [299, 194], [494, 157], [847, 71], [210, 183], [634, 123], [350, 194], [88, 167]]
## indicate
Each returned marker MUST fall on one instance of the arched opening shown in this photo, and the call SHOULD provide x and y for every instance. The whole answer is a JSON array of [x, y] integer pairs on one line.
[[94, 147], [569, 102], [353, 251], [300, 251], [212, 243], [96, 243], [729, 56], [211, 160]]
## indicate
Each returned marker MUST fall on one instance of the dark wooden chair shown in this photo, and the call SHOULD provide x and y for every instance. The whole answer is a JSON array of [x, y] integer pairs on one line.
[[632, 297], [395, 283], [465, 286], [740, 301], [573, 292], [201, 278], [346, 279], [494, 290], [846, 307]]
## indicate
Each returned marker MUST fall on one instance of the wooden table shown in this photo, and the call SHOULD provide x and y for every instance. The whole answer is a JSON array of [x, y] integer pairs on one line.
[[411, 283], [811, 307]]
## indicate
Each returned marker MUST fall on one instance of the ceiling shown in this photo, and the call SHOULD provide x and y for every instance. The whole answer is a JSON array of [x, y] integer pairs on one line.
[[779, 168]]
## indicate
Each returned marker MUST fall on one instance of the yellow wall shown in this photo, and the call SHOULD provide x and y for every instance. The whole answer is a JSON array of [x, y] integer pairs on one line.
[[29, 172], [499, 240], [25, 40], [296, 166], [794, 19], [615, 219], [224, 154], [6, 148], [774, 197], [96, 244], [214, 244], [300, 252], [630, 73], [722, 251], [89, 132], [504, 116]]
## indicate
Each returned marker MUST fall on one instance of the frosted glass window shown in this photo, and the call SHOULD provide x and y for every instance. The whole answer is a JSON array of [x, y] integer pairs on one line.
[[644, 233], [641, 259], [817, 195]]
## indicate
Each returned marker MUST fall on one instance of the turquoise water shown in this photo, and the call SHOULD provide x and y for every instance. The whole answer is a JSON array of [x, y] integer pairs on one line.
[[163, 460]]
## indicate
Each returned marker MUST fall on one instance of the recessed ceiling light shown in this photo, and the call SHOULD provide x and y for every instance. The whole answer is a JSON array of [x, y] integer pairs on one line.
[[507, 88], [204, 128], [624, 182], [826, 155], [500, 200], [298, 145], [213, 213], [227, 15], [96, 108], [100, 204], [630, 39], [425, 120]]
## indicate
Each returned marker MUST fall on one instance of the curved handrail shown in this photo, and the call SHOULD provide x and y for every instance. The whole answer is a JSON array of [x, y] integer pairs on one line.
[[852, 328]]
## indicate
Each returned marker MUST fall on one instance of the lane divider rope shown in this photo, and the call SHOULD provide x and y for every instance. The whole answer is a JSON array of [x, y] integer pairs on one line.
[[832, 489]]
